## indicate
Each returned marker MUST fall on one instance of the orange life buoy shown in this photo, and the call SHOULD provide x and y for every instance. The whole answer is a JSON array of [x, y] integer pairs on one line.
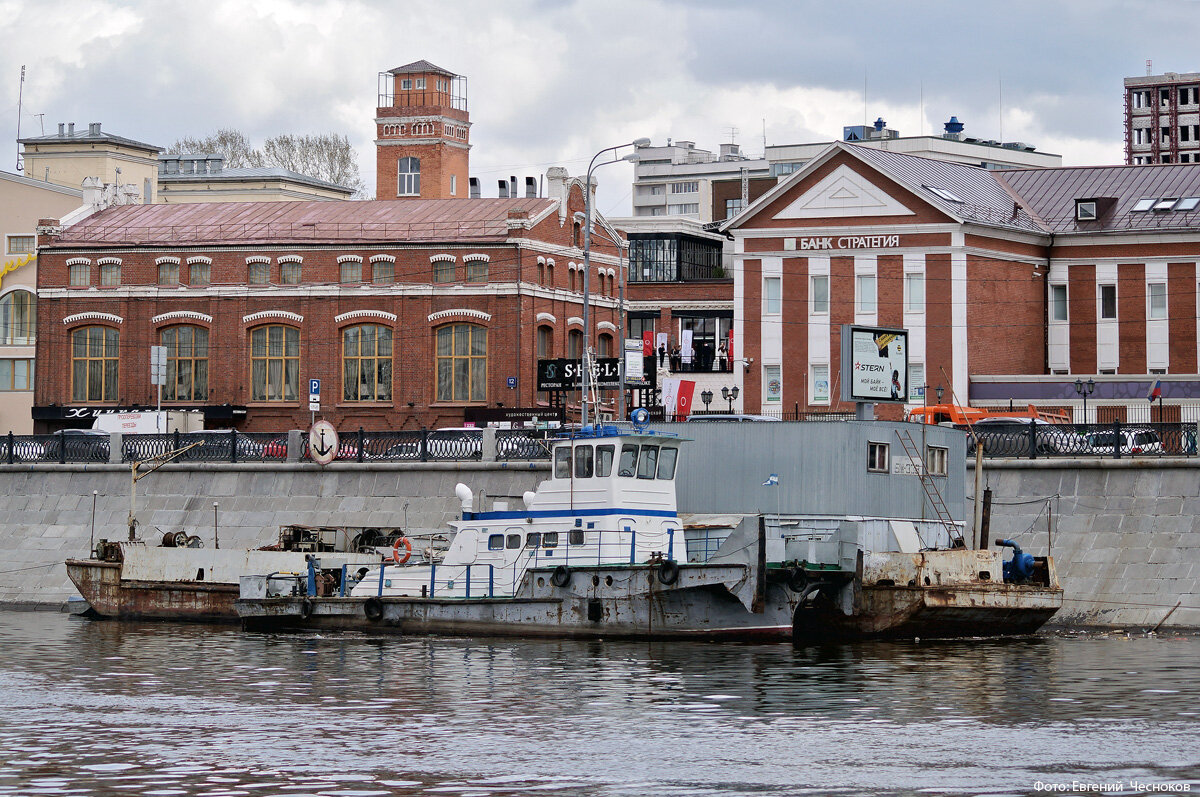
[[396, 557]]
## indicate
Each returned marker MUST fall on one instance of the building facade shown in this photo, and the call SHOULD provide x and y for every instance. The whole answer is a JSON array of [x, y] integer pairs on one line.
[[1162, 118], [409, 312], [1055, 273], [423, 134]]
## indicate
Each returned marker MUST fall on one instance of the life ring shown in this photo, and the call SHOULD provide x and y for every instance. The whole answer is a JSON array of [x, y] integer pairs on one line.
[[668, 572], [396, 557], [798, 580], [561, 576], [373, 609], [306, 609]]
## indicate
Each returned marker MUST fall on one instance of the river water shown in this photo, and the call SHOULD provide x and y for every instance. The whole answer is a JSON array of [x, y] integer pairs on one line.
[[101, 708]]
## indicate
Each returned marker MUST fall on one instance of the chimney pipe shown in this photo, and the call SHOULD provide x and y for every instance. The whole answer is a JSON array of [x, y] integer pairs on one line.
[[70, 128], [60, 128]]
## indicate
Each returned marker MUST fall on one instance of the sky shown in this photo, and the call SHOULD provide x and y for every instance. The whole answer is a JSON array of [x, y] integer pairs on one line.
[[552, 83]]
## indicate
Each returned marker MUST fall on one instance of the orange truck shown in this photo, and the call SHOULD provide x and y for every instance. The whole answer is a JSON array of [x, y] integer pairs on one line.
[[953, 413]]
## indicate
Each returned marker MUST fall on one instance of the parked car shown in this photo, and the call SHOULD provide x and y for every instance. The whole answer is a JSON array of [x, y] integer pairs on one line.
[[347, 448], [216, 444], [730, 417], [79, 445], [1009, 437], [1132, 441]]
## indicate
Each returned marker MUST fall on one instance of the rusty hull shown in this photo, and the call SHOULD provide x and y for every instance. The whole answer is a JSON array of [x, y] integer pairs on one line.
[[101, 586], [933, 594]]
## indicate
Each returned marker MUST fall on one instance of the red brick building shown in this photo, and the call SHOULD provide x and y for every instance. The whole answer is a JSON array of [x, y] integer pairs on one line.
[[423, 134], [409, 312], [1046, 275]]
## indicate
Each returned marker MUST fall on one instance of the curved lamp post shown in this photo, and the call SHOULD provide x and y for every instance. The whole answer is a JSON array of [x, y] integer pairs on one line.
[[587, 268], [1085, 389]]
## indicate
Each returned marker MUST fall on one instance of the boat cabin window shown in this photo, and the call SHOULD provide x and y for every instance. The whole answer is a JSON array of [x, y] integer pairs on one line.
[[496, 542], [666, 462], [629, 453], [562, 462], [583, 462], [575, 536], [513, 541], [604, 460], [648, 462], [550, 539], [533, 539]]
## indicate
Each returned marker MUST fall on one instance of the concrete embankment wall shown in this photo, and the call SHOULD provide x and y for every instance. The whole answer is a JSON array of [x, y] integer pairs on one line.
[[1124, 534], [46, 510]]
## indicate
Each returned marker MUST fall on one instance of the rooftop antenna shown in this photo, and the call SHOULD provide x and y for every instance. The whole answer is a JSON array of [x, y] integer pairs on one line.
[[41, 122], [1000, 102], [20, 97], [733, 131], [764, 121], [1149, 67], [922, 107]]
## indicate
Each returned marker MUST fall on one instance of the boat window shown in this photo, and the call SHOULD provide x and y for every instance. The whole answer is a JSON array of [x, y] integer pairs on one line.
[[513, 541], [648, 463], [496, 542], [629, 454], [604, 460], [562, 462], [550, 539], [583, 462], [533, 539], [575, 536], [666, 462]]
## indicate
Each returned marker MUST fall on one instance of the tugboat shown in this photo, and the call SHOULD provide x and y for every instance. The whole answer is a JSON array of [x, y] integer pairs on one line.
[[598, 550]]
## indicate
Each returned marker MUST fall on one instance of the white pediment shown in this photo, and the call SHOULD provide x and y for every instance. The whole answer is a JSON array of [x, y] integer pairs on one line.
[[843, 193]]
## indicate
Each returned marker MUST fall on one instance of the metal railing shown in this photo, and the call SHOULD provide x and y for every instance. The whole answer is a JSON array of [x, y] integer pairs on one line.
[[1035, 440]]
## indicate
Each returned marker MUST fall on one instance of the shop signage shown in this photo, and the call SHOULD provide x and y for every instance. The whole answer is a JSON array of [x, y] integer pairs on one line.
[[850, 242], [564, 374]]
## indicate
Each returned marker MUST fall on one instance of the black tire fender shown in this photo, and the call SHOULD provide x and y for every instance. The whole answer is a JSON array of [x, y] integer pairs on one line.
[[798, 580], [561, 576], [668, 572], [306, 609], [373, 608]]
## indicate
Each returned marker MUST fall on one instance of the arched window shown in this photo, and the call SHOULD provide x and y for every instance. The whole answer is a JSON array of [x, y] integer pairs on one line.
[[274, 363], [545, 343], [409, 177], [187, 363], [461, 363], [604, 345], [18, 318], [94, 355], [575, 345], [367, 363]]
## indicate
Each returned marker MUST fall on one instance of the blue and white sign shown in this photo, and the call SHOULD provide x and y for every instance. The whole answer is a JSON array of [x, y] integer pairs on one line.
[[512, 383], [314, 389]]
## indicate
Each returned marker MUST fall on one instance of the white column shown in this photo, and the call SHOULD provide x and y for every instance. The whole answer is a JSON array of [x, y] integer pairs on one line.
[[958, 317]]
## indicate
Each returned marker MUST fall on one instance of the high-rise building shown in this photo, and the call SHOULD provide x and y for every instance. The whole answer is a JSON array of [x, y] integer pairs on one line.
[[1162, 118], [422, 133]]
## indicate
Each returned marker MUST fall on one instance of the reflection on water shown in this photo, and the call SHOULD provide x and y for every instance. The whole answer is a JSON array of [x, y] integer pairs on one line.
[[99, 708]]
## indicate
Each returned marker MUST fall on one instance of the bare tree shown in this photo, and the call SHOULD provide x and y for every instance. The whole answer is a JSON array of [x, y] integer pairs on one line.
[[227, 142], [326, 157]]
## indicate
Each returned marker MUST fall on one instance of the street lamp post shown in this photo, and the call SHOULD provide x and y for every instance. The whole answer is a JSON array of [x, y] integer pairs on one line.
[[706, 396], [587, 267], [730, 396], [1085, 389]]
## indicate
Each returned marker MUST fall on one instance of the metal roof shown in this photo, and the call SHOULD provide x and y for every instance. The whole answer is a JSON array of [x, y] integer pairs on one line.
[[306, 223], [1051, 194], [252, 173], [84, 136], [420, 66]]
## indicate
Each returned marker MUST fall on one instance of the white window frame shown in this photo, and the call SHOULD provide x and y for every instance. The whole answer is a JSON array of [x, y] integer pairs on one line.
[[1085, 211], [860, 302], [419, 83], [1156, 294], [937, 461], [815, 308], [772, 304], [1100, 302], [879, 458], [1066, 305], [406, 84], [816, 373], [916, 382], [914, 292]]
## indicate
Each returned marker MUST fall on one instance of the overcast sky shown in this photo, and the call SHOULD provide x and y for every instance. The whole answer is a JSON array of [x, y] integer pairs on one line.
[[550, 83]]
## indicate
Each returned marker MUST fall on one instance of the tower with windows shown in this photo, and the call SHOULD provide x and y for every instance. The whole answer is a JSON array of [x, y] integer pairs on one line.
[[422, 133]]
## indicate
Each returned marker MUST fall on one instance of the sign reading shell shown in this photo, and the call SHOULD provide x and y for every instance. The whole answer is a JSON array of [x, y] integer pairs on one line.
[[322, 442]]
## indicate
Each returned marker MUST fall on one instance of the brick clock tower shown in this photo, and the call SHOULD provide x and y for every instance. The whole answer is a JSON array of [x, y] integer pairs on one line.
[[422, 134]]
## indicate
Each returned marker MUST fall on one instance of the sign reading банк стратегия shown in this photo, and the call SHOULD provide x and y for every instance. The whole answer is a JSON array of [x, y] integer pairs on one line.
[[849, 242]]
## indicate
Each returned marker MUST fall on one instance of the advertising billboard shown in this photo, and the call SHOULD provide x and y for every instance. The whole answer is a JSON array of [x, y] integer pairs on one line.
[[874, 364]]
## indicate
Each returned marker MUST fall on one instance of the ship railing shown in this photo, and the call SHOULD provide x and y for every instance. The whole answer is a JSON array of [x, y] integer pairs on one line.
[[477, 581], [605, 548]]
